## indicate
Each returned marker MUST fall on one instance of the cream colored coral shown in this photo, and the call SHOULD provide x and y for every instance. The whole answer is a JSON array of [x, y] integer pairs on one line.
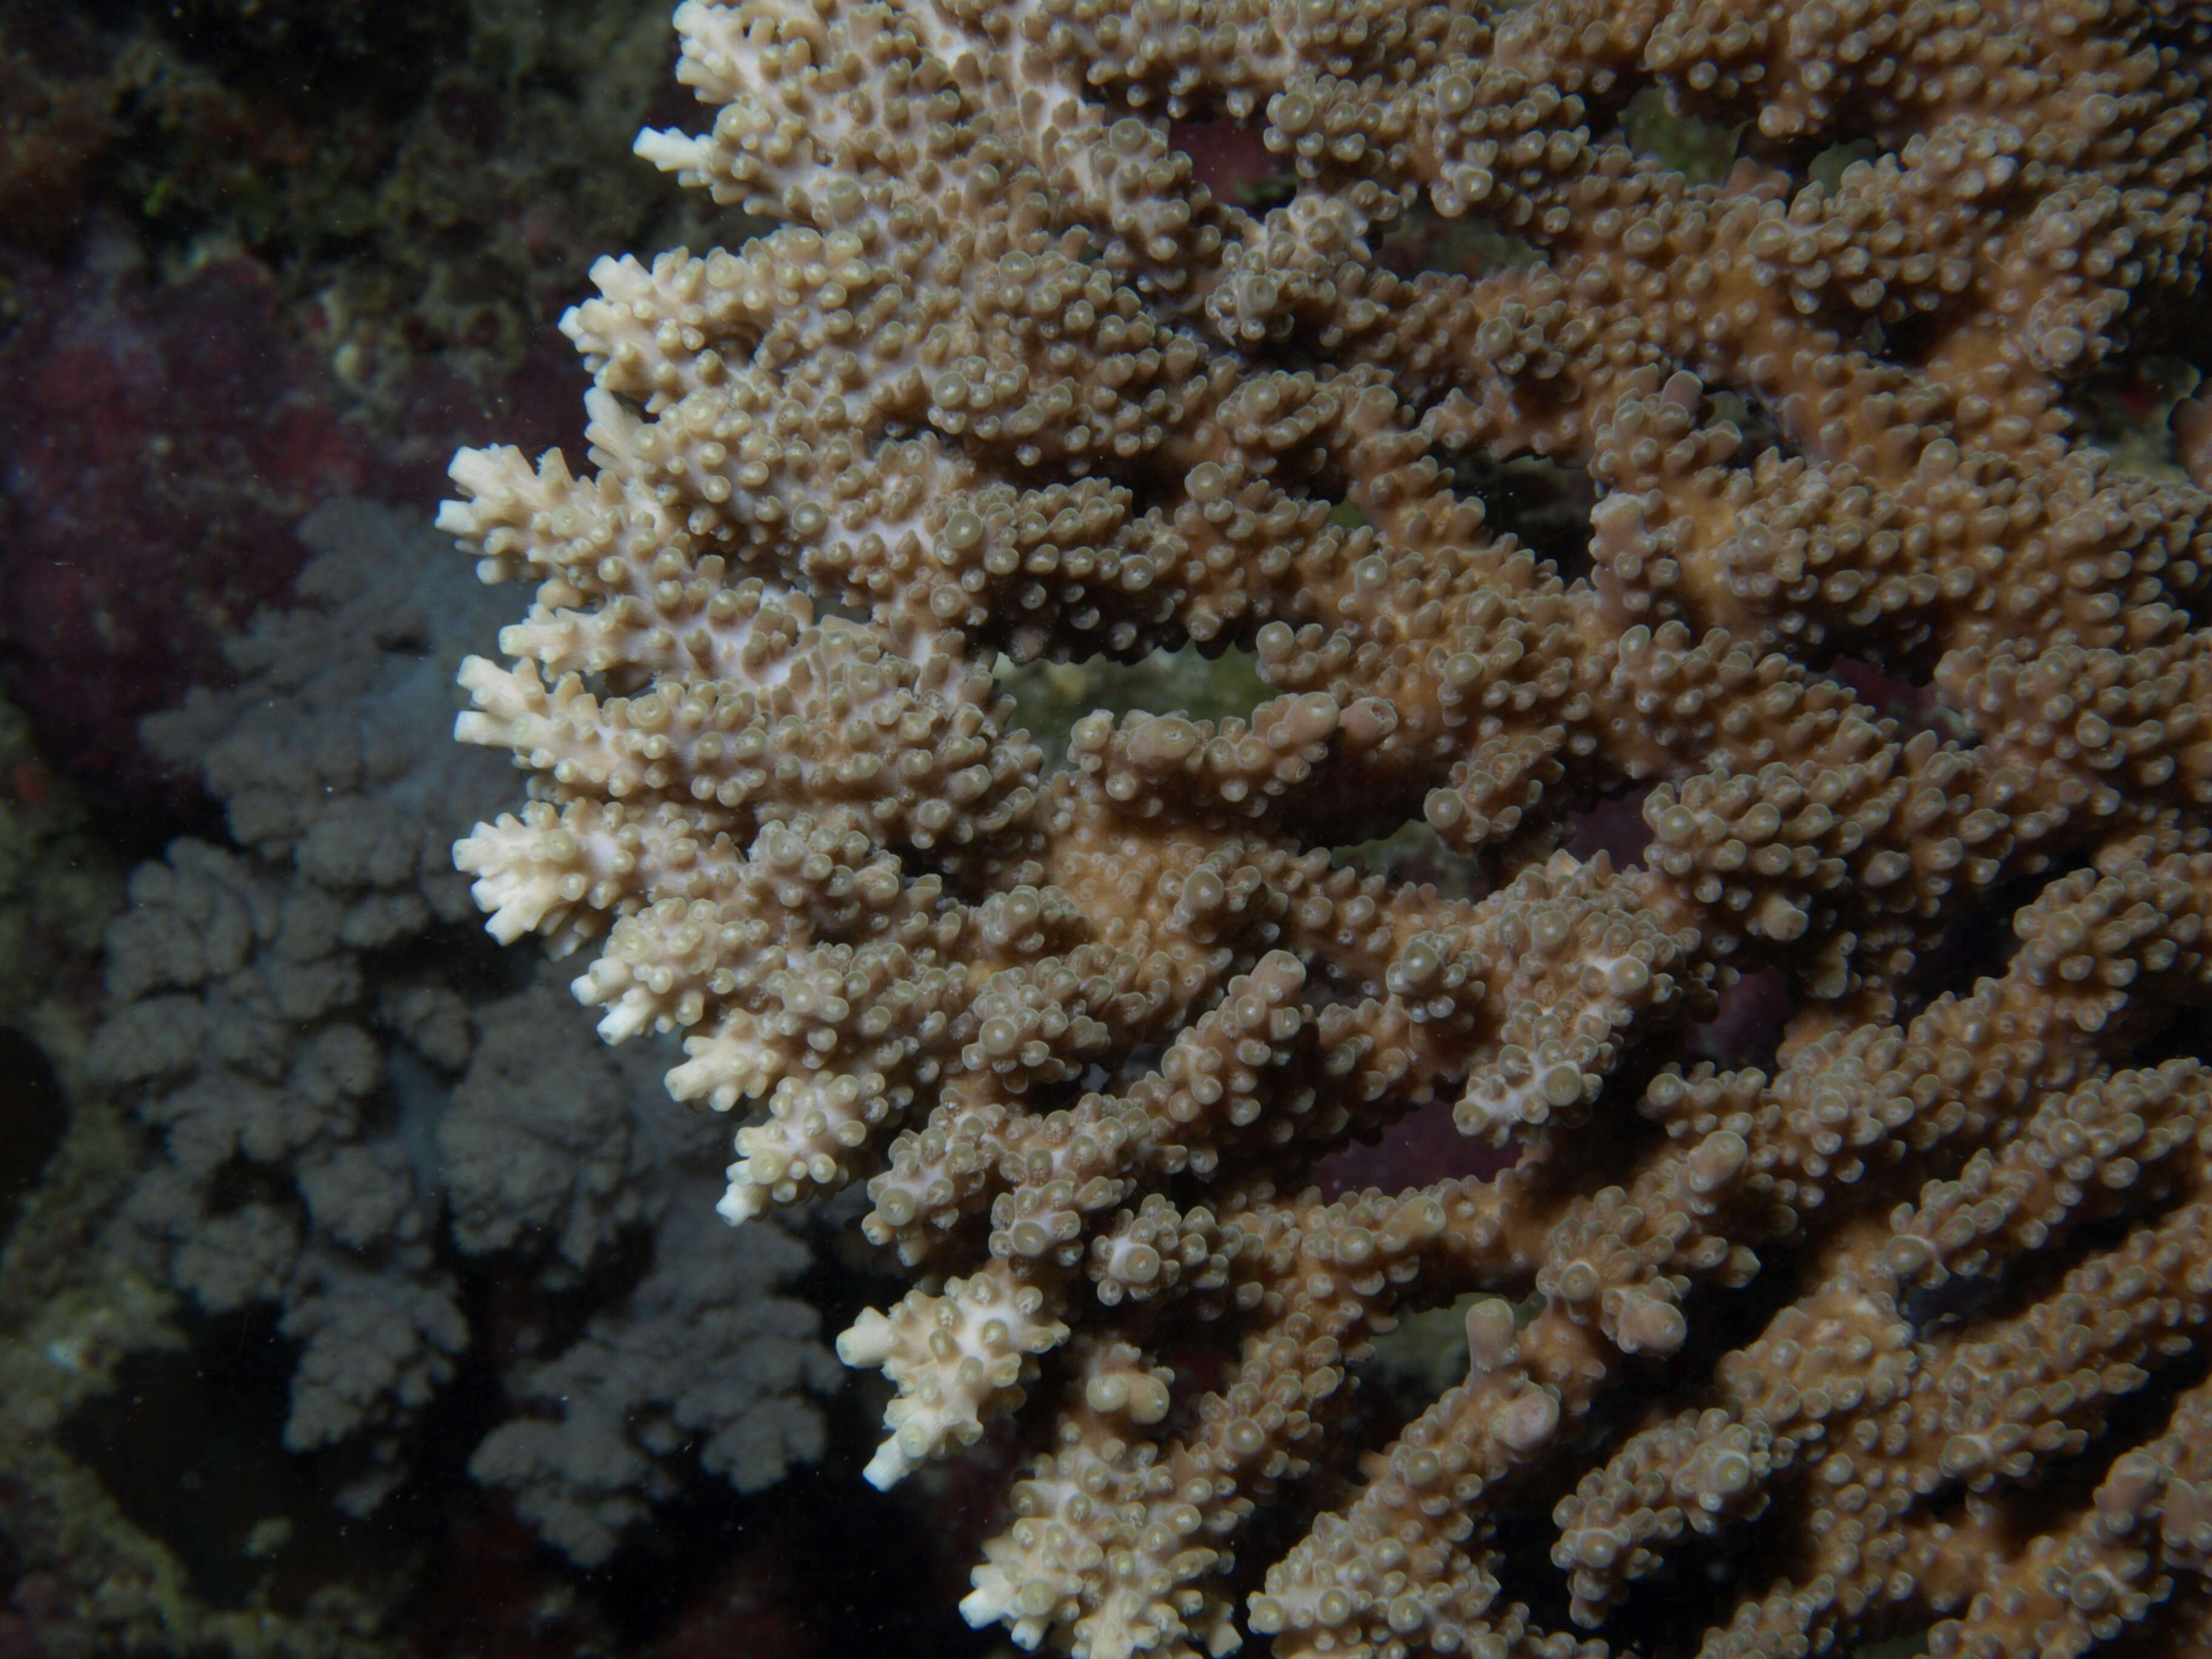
[[1006, 380]]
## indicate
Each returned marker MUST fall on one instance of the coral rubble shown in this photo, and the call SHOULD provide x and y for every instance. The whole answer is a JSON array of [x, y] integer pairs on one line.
[[1899, 1338]]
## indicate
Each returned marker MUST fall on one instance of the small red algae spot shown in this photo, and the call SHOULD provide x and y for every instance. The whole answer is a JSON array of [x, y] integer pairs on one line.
[[2139, 396], [1747, 1026], [1227, 158], [751, 1607], [498, 1595], [30, 782], [1615, 827], [1421, 1147]]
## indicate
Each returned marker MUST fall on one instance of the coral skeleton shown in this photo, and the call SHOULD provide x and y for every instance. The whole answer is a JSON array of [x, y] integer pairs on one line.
[[1899, 1336]]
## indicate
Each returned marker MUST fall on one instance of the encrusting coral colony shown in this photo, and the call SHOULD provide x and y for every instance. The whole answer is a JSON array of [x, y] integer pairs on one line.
[[1926, 1302]]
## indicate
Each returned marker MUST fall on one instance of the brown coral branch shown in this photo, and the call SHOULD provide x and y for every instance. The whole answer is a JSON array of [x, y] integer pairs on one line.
[[1006, 379]]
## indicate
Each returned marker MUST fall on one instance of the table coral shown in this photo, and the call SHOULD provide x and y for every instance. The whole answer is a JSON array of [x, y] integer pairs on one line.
[[1882, 1342]]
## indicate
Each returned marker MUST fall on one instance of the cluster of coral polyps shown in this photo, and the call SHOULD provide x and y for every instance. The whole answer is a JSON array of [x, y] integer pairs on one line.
[[1902, 1339]]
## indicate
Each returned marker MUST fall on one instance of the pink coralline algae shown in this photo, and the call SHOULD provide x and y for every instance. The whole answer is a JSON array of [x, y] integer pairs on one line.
[[158, 443], [154, 455]]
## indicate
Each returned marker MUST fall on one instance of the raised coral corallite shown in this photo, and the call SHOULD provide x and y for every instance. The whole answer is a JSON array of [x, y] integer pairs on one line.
[[1925, 1302]]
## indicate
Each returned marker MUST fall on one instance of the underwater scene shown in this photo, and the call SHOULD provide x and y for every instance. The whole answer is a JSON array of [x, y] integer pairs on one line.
[[1371, 828]]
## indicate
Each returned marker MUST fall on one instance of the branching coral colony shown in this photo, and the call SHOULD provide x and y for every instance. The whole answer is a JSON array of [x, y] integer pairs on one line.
[[1924, 1303]]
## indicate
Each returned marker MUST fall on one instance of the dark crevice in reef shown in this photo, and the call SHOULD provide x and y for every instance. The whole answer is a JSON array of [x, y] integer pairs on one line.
[[1980, 940], [33, 1114], [2186, 1036], [1542, 504], [188, 1444], [861, 1599]]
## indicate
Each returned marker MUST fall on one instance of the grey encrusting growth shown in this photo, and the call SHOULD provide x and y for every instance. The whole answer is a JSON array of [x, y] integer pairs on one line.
[[353, 1102]]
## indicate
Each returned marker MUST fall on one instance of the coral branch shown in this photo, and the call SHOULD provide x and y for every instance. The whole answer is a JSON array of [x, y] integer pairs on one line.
[[1007, 383]]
